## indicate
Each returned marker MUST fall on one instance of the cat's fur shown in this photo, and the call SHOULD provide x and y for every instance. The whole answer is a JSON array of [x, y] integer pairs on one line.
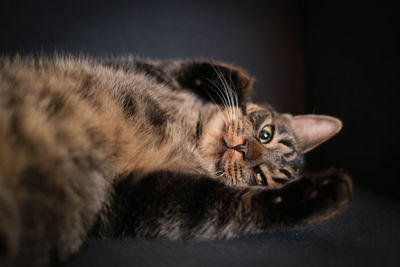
[[150, 149]]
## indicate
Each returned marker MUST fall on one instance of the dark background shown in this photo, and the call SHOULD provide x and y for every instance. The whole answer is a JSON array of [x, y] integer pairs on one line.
[[307, 56]]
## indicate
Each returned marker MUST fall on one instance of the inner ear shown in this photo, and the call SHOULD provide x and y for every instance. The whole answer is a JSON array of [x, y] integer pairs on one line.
[[313, 130], [215, 81]]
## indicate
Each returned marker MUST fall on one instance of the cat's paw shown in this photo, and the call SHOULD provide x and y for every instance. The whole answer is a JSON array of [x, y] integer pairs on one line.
[[314, 197]]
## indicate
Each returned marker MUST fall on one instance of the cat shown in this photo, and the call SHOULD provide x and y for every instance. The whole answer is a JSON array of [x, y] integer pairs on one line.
[[141, 148]]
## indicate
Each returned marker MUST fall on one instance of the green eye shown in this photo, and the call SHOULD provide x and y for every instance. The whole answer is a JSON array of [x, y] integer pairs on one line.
[[259, 176], [265, 135]]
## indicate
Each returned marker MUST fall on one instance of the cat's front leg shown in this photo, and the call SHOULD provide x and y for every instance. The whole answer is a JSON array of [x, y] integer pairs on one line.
[[312, 198], [174, 205]]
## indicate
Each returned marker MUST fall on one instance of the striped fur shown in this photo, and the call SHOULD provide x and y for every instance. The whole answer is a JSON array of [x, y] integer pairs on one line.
[[126, 147]]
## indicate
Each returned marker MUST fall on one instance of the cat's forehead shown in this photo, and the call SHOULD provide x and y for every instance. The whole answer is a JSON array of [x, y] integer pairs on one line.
[[259, 108], [261, 113]]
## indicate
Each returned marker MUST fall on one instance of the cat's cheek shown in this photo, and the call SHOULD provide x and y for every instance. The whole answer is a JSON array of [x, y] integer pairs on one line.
[[226, 162], [248, 177]]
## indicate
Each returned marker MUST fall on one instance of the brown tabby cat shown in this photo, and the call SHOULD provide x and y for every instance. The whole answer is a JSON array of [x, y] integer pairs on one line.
[[148, 149]]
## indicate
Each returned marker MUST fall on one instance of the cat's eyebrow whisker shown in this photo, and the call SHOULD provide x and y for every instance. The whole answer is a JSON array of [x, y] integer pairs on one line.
[[225, 118], [231, 93], [219, 91], [225, 87], [234, 92], [221, 95]]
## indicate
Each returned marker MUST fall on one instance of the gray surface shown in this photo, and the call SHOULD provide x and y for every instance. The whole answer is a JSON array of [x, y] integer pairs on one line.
[[365, 234]]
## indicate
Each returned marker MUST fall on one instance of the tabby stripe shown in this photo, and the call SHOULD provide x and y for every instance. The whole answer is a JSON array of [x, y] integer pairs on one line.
[[286, 172], [280, 180], [56, 103], [288, 154], [157, 116], [229, 169], [152, 71], [218, 164], [257, 118], [198, 130], [129, 105], [286, 143], [235, 169]]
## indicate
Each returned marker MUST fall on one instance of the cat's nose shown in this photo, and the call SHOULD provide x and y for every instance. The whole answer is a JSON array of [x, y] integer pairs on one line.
[[243, 148], [251, 150]]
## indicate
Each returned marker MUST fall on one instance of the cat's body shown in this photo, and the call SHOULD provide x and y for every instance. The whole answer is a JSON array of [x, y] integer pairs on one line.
[[133, 148]]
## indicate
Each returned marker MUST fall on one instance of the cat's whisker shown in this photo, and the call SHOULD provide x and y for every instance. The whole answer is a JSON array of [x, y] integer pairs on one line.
[[228, 92], [218, 106], [220, 93], [231, 93], [225, 89], [234, 92], [220, 175], [222, 96]]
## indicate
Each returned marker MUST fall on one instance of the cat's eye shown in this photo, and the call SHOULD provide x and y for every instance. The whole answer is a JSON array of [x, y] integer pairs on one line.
[[266, 134], [259, 177]]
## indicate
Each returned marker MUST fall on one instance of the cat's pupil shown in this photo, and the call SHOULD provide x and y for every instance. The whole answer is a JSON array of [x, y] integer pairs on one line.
[[265, 135]]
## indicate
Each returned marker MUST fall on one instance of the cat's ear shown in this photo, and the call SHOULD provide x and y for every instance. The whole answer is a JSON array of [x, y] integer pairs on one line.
[[212, 81], [313, 130]]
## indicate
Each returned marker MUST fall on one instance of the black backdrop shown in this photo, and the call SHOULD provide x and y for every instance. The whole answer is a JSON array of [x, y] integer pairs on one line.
[[334, 58], [352, 63]]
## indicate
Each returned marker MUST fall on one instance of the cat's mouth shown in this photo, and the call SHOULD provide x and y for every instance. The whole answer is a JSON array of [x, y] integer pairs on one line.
[[212, 145], [222, 146], [231, 162]]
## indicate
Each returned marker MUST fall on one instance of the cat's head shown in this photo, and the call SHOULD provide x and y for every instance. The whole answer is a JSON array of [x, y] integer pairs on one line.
[[257, 145], [248, 143]]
